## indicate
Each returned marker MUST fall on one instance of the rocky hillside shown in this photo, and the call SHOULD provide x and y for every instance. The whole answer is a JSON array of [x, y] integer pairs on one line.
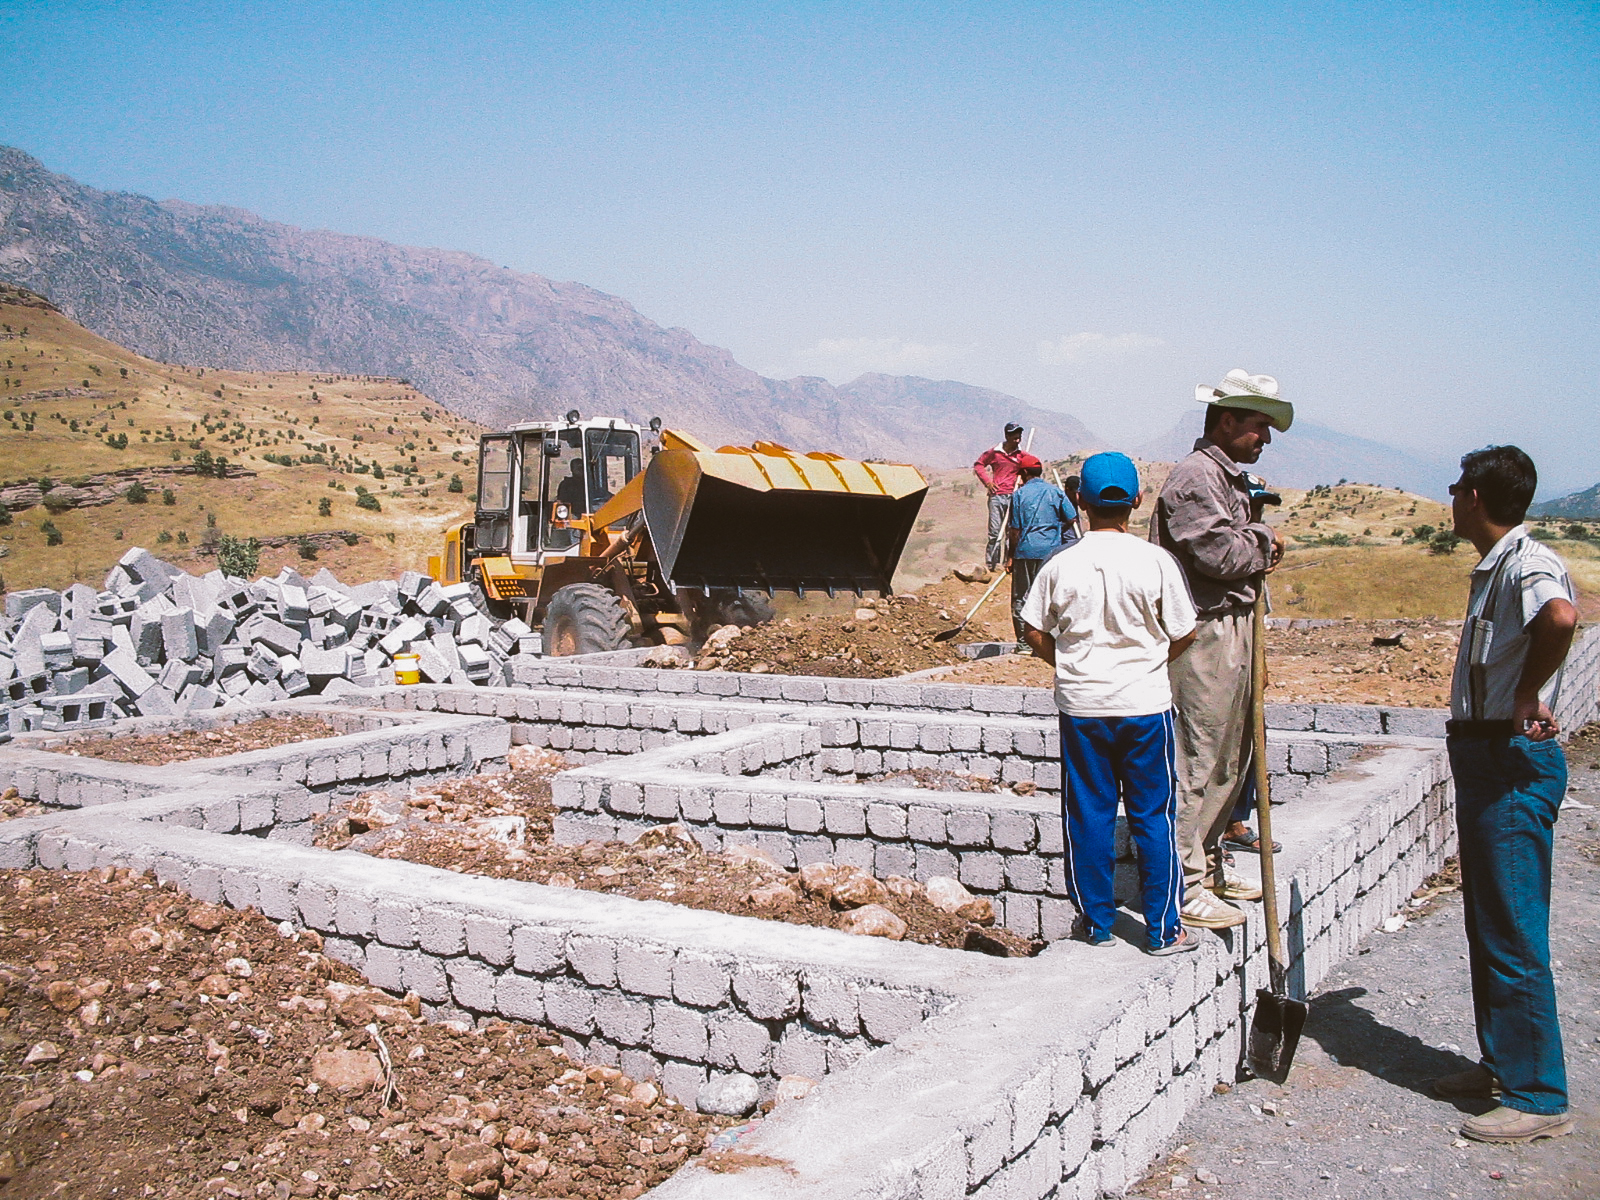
[[182, 283], [1580, 504]]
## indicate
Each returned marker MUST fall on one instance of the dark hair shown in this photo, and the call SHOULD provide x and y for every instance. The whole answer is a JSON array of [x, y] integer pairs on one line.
[[1108, 512], [1069, 485], [1031, 472], [1505, 480], [1214, 415]]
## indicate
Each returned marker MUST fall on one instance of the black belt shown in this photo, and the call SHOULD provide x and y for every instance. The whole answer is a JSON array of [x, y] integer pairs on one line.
[[1481, 729]]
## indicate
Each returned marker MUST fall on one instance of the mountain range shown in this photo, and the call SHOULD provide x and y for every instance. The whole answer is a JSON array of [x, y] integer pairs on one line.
[[220, 286], [1580, 504], [1310, 454]]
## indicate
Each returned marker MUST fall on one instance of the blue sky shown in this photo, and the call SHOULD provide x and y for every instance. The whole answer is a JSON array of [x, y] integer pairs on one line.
[[1390, 207]]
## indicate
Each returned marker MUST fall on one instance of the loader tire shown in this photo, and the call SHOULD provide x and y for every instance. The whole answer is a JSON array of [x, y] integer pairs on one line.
[[584, 618]]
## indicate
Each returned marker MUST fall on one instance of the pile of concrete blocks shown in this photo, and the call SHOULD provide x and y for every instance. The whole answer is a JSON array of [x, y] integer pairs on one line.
[[157, 641]]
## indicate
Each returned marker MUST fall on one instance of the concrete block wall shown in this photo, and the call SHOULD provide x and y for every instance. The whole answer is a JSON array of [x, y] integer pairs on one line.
[[1104, 1051], [1579, 702], [947, 1074]]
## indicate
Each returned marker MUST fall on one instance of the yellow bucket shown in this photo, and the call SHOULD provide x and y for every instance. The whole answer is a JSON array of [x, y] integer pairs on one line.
[[407, 669]]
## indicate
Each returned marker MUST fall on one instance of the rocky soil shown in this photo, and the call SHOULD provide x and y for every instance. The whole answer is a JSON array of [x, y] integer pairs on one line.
[[153, 1046], [500, 826], [182, 745]]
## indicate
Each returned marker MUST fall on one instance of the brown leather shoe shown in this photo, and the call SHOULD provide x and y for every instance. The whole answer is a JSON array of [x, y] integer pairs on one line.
[[1475, 1083], [1509, 1125]]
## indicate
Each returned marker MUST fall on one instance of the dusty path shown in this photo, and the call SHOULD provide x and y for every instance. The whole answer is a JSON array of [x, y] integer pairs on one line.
[[1356, 1120]]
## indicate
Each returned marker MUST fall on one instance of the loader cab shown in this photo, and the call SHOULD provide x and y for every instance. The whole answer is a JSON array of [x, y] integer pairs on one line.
[[533, 478]]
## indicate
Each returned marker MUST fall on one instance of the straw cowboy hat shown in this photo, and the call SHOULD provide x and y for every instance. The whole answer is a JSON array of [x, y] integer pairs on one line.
[[1258, 393]]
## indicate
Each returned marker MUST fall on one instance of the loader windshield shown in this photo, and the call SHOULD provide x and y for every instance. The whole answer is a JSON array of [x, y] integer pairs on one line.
[[613, 457]]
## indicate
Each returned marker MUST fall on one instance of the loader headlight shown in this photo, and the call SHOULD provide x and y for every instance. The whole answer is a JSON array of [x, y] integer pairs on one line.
[[562, 512]]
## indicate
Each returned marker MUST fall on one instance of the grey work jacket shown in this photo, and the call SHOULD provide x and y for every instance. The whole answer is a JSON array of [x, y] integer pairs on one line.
[[1203, 518]]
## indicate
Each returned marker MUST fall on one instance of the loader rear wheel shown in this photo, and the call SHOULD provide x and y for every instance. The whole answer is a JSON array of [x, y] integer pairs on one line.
[[584, 618], [495, 610]]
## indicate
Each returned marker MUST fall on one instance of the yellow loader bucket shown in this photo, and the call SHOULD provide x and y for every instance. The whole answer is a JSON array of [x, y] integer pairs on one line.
[[765, 518]]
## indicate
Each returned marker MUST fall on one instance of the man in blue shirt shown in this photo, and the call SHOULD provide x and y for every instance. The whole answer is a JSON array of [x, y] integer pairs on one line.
[[1043, 522]]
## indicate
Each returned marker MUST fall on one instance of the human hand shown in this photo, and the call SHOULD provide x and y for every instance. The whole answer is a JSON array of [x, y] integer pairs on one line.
[[1531, 718], [1275, 556]]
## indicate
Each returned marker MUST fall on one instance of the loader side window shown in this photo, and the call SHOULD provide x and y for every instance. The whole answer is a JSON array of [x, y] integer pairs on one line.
[[563, 484], [613, 456], [494, 475]]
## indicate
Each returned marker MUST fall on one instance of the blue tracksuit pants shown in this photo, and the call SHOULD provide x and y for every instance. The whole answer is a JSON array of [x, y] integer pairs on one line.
[[1131, 759]]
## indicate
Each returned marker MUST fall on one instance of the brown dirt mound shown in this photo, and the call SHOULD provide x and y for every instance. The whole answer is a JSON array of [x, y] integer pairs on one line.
[[153, 1046], [182, 745]]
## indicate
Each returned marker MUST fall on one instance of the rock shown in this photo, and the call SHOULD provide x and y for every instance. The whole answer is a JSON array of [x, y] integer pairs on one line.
[[473, 1164], [863, 615], [645, 1093], [873, 920], [728, 1095], [750, 856], [761, 668], [947, 894], [818, 879], [772, 897], [719, 639], [668, 657], [239, 968], [561, 880], [33, 1104], [42, 1052], [902, 888], [534, 758], [1394, 924], [973, 573], [207, 918], [63, 995], [676, 835], [375, 810], [793, 1087], [980, 911], [346, 1070], [671, 636], [855, 888]]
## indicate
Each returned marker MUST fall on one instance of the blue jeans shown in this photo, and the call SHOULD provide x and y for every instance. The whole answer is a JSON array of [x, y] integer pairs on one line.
[[1104, 759], [1508, 792]]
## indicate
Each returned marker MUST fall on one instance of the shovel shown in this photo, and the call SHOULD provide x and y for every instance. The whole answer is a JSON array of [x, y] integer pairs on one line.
[[1275, 1030], [950, 633]]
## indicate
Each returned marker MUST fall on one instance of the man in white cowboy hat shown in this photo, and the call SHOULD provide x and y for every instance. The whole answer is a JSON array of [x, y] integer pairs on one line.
[[1205, 517]]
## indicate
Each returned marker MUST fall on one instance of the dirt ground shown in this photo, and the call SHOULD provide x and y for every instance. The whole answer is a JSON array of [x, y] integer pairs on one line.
[[153, 1046], [500, 826], [182, 745], [1356, 1118]]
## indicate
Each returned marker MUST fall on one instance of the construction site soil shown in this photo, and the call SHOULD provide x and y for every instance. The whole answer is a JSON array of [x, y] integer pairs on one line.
[[182, 745], [157, 1047], [500, 826]]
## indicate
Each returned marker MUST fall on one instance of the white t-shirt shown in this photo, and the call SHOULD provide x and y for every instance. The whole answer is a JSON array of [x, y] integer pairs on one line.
[[1113, 603]]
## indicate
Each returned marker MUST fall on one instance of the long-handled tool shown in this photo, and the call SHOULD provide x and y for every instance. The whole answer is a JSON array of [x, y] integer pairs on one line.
[[1275, 1030], [950, 633]]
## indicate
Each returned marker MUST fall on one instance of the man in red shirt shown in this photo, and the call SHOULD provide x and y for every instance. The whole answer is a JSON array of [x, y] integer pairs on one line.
[[997, 469]]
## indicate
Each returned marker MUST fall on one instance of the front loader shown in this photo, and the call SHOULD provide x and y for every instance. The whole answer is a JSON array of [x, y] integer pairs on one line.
[[605, 533]]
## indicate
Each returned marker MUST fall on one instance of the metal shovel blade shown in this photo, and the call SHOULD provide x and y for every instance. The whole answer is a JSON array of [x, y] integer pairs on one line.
[[1274, 1034]]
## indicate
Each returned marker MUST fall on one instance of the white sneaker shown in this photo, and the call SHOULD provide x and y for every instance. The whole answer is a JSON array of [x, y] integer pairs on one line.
[[1237, 887], [1205, 911]]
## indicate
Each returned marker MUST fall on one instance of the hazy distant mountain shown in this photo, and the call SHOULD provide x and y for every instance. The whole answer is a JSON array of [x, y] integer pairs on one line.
[[1580, 504], [1310, 454], [224, 287]]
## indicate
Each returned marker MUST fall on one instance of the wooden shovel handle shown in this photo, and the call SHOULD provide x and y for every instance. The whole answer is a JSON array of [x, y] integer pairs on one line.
[[1277, 966]]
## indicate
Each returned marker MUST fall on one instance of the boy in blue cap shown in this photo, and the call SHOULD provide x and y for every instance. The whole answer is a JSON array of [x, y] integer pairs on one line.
[[1110, 616]]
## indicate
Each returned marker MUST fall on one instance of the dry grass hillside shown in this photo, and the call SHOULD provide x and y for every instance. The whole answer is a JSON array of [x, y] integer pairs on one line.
[[1354, 550], [74, 406]]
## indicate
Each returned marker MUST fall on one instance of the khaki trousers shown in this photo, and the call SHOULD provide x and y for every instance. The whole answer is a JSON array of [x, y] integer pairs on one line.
[[1211, 702]]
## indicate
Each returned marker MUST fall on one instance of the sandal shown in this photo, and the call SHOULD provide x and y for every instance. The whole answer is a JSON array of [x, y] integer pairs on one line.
[[1252, 844]]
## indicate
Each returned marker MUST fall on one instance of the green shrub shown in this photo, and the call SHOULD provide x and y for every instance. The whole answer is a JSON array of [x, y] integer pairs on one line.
[[369, 502], [5, 515], [238, 557], [56, 504], [169, 497], [1443, 542], [325, 507], [1576, 533], [164, 537], [52, 535], [350, 539], [137, 493], [308, 549], [456, 486]]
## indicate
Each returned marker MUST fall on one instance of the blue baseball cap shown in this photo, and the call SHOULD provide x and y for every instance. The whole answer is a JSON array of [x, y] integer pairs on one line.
[[1108, 480]]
